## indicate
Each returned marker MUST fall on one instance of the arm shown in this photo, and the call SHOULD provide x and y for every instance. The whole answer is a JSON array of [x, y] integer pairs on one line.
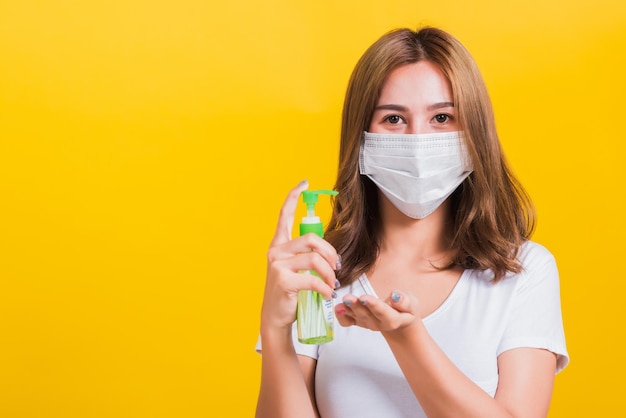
[[526, 375], [286, 378], [526, 378], [307, 365]]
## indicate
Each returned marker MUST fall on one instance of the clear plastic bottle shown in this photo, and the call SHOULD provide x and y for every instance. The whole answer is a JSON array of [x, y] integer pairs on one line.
[[315, 315]]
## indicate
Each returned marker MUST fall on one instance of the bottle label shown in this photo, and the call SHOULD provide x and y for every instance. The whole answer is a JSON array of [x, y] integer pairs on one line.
[[315, 317]]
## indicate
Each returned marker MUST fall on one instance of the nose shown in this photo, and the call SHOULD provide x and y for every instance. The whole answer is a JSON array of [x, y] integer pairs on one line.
[[416, 127]]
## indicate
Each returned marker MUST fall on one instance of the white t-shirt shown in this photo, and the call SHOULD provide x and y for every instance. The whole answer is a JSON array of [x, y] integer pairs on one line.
[[357, 375]]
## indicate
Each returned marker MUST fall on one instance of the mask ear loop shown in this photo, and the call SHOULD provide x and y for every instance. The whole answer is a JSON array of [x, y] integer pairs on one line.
[[468, 161]]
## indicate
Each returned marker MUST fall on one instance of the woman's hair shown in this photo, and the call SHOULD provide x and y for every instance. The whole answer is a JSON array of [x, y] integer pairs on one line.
[[492, 214]]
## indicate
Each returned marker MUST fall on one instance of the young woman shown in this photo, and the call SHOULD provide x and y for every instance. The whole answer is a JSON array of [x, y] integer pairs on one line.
[[447, 308]]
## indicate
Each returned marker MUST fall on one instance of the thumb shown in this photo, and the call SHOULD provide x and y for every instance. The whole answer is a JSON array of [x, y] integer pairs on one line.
[[403, 302], [287, 214]]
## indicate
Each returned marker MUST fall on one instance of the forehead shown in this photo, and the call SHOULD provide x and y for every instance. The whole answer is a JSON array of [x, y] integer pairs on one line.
[[422, 81]]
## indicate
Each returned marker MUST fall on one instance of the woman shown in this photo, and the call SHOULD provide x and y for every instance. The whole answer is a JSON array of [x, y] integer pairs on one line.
[[447, 309]]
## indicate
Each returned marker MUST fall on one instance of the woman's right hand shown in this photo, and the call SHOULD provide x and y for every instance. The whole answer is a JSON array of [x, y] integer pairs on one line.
[[286, 259]]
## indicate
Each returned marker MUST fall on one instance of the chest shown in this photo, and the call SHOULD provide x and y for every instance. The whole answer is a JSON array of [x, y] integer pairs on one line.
[[431, 287], [358, 366], [468, 325]]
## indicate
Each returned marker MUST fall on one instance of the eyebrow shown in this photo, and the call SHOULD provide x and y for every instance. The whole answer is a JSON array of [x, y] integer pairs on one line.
[[400, 108], [440, 105]]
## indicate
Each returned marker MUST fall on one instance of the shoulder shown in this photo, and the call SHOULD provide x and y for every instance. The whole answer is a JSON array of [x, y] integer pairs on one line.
[[538, 265], [539, 269], [533, 258], [536, 260], [533, 254]]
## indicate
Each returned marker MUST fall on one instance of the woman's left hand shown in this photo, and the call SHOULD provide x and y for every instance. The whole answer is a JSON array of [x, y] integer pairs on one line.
[[397, 311]]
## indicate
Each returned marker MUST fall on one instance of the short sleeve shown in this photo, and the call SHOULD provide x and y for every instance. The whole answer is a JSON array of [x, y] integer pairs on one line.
[[309, 350], [535, 318]]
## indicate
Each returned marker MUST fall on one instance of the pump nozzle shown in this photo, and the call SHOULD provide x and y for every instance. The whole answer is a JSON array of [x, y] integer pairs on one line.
[[311, 223], [310, 199]]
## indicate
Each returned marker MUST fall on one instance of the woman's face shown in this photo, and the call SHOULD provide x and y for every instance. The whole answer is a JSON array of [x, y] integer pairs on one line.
[[415, 99]]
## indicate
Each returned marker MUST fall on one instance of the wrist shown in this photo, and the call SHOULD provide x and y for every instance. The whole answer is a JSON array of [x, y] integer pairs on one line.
[[414, 330], [272, 335]]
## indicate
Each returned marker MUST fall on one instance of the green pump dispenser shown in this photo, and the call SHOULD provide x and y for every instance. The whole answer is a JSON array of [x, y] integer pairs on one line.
[[315, 315], [312, 223]]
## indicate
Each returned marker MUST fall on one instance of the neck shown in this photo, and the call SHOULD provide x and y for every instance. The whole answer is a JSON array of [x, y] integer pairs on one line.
[[419, 240]]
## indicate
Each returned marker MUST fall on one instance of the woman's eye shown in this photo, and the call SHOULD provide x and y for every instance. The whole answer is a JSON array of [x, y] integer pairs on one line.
[[441, 118], [393, 119]]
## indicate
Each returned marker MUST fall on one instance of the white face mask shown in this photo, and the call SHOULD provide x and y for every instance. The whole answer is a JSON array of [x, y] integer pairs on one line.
[[415, 172]]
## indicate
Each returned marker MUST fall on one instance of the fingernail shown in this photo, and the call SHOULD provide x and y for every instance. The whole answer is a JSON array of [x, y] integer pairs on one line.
[[341, 311], [395, 296], [363, 302], [337, 284], [338, 262], [334, 295], [303, 182], [347, 303]]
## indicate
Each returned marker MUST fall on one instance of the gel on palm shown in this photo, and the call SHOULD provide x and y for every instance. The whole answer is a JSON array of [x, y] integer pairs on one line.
[[315, 315]]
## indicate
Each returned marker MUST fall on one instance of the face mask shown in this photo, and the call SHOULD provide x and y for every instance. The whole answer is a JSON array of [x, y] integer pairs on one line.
[[415, 172]]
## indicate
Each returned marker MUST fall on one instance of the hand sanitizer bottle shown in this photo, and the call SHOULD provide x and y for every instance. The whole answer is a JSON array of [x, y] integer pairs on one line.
[[315, 315]]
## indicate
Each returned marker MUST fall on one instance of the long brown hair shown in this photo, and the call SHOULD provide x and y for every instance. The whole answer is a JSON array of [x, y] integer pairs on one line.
[[492, 214]]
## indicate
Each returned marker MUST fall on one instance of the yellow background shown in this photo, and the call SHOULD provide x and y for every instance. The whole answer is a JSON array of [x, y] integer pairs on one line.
[[146, 147]]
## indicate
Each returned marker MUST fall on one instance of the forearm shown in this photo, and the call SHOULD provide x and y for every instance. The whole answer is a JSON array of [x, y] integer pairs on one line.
[[440, 387], [283, 390]]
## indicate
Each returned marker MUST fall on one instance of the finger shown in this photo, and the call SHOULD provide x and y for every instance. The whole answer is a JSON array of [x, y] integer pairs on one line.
[[359, 310], [307, 243], [384, 316], [350, 302], [309, 261], [401, 302], [307, 281], [373, 307], [287, 214], [343, 315]]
